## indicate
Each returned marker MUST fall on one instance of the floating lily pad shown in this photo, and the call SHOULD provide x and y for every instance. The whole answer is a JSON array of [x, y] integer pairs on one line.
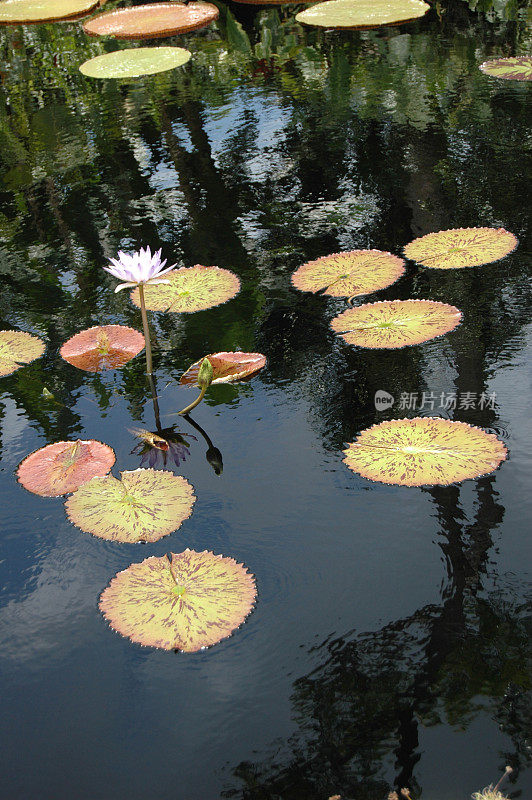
[[102, 347], [20, 11], [396, 323], [184, 601], [190, 289], [18, 348], [348, 274], [144, 506], [135, 62], [152, 21], [362, 13], [63, 467], [424, 451], [227, 367], [461, 247], [517, 68]]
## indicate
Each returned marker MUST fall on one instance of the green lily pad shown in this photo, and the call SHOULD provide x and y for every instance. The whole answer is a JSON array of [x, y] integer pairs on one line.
[[362, 13], [18, 348], [190, 289], [181, 601], [20, 11], [144, 506], [135, 62], [517, 68]]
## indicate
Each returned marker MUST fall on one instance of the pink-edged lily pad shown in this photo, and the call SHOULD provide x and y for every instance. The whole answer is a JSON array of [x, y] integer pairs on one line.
[[102, 347], [227, 367], [63, 467]]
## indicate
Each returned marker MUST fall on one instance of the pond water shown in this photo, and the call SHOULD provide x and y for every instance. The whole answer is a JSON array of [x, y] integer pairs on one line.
[[388, 646]]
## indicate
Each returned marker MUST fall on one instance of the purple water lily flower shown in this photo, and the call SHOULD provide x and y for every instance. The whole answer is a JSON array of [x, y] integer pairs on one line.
[[163, 447], [139, 267]]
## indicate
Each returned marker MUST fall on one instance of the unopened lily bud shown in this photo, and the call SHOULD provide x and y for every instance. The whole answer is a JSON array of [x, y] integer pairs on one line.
[[205, 374]]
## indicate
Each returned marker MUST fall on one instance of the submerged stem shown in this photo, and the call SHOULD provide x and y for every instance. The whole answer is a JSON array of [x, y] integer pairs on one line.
[[196, 402], [147, 339]]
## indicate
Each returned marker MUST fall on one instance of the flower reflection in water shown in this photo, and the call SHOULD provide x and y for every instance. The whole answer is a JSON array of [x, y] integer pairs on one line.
[[165, 447]]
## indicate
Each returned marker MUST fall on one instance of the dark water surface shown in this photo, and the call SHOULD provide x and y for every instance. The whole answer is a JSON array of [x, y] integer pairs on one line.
[[388, 647]]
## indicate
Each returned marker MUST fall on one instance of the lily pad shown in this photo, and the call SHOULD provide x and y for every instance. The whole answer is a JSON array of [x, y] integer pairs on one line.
[[144, 506], [424, 451], [227, 367], [396, 323], [182, 601], [102, 347], [190, 289], [362, 13], [18, 348], [348, 274], [517, 68], [63, 467], [152, 21], [20, 11], [135, 62], [461, 247]]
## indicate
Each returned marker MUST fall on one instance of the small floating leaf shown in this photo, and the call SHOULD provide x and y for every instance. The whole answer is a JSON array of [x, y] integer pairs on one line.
[[362, 13], [152, 21], [461, 247], [184, 601], [424, 451], [18, 348], [351, 273], [396, 323], [102, 347], [144, 506], [135, 62], [63, 467], [190, 289], [517, 68], [20, 11], [227, 367]]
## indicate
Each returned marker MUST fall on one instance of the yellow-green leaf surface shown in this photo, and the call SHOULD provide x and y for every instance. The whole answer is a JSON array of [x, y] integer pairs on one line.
[[190, 289], [185, 601], [362, 13], [461, 247], [135, 62], [347, 274], [13, 11], [144, 506], [424, 451], [396, 323], [63, 467], [517, 68], [18, 348]]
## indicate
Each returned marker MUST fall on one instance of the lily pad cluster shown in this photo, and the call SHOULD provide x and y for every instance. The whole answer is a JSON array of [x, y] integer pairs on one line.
[[426, 450]]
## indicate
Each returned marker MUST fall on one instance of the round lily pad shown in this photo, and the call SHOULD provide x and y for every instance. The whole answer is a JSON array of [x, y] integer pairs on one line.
[[517, 68], [102, 347], [396, 323], [424, 451], [348, 274], [20, 11], [461, 247], [18, 348], [362, 13], [144, 506], [227, 367], [63, 467], [182, 601], [135, 62], [190, 289], [152, 21]]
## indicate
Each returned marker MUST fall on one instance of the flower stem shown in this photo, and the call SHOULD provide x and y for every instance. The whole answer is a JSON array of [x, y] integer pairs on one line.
[[196, 402], [147, 339]]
